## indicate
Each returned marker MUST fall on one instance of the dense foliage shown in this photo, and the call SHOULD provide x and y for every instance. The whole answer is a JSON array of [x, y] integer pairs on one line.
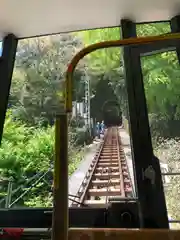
[[160, 72], [27, 150], [26, 155], [169, 152], [38, 79]]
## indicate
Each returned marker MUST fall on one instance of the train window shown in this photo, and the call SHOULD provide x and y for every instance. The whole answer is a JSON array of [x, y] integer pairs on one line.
[[100, 159], [161, 74], [107, 169]]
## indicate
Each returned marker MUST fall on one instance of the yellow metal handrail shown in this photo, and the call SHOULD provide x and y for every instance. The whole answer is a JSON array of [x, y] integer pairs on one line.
[[60, 221]]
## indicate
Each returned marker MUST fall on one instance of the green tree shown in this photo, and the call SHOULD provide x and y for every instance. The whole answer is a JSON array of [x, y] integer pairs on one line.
[[160, 72], [38, 80], [26, 154]]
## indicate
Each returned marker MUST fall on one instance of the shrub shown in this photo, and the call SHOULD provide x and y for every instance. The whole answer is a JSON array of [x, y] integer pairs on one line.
[[83, 136], [27, 151], [168, 151]]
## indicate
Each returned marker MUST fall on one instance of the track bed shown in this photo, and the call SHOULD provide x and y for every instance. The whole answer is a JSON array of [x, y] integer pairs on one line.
[[108, 176]]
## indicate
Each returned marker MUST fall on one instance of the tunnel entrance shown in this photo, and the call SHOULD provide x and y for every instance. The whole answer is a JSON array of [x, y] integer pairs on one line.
[[112, 114], [105, 105]]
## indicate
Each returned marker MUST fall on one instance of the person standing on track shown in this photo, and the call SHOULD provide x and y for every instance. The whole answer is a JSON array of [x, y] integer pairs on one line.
[[102, 126]]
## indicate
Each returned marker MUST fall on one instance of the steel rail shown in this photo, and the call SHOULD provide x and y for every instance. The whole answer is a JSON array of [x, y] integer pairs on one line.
[[120, 167], [107, 170], [81, 198]]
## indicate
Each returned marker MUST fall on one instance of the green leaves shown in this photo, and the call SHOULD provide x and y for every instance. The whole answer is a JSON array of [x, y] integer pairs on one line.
[[27, 151], [104, 60], [161, 72], [161, 78], [152, 29], [38, 80]]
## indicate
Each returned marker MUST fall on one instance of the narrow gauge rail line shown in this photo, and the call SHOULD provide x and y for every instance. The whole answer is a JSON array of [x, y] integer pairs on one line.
[[108, 175]]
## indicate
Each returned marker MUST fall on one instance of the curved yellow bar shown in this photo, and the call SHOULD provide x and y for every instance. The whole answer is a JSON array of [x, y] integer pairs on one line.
[[106, 44]]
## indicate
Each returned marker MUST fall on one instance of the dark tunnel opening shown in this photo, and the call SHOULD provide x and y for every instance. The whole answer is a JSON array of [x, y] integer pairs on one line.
[[112, 116]]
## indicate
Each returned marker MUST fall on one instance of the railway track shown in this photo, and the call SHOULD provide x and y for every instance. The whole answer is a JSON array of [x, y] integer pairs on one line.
[[108, 176]]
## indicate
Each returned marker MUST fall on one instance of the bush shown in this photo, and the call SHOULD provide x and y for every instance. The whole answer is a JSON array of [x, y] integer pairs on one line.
[[77, 122], [27, 151], [162, 127], [83, 136], [168, 151]]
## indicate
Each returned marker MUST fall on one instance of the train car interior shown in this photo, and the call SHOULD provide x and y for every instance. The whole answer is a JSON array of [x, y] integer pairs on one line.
[[140, 216]]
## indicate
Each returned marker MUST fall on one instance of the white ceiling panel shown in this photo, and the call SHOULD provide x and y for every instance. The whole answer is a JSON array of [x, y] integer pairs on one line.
[[29, 18]]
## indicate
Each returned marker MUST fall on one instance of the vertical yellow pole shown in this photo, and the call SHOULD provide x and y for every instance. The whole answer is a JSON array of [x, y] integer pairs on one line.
[[68, 94], [60, 209]]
